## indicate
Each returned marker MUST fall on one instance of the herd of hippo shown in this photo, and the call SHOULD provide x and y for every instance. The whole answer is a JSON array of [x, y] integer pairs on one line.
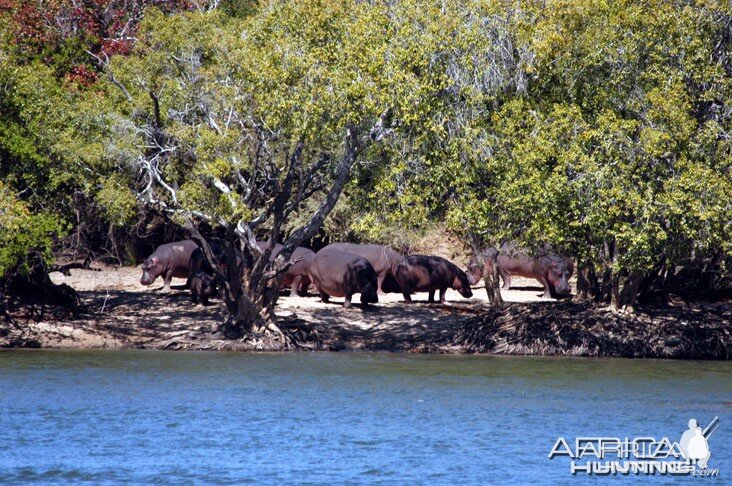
[[345, 269]]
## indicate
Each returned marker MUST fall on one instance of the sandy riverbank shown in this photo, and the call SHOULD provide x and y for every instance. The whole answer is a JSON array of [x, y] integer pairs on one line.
[[124, 314]]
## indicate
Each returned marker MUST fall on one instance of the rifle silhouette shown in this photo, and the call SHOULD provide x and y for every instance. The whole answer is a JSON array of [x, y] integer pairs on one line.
[[711, 428]]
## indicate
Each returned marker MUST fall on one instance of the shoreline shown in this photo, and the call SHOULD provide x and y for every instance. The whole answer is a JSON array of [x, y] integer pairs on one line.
[[124, 315], [349, 351]]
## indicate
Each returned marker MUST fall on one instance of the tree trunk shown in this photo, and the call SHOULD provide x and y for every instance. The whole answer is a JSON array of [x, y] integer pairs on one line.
[[488, 262], [606, 286], [492, 279], [615, 300], [628, 295], [588, 287]]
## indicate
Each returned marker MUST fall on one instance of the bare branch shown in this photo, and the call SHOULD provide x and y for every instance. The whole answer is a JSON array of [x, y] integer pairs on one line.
[[352, 148]]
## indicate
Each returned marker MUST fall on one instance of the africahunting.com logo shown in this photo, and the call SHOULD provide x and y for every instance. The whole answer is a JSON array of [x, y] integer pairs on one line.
[[641, 455]]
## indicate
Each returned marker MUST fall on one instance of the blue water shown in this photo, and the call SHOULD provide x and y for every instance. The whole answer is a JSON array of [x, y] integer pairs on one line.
[[166, 417]]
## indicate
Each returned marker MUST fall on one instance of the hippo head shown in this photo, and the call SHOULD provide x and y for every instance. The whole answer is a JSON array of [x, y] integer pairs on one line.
[[474, 271], [559, 271], [367, 286], [150, 270], [368, 293], [462, 284], [205, 284]]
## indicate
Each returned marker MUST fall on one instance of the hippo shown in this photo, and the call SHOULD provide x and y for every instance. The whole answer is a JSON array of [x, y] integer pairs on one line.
[[422, 273], [198, 262], [169, 260], [203, 286], [296, 277], [382, 258], [341, 274], [552, 270]]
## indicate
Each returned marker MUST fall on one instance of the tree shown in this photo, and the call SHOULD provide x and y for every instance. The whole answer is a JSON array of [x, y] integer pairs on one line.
[[600, 129], [48, 164], [618, 154], [239, 131]]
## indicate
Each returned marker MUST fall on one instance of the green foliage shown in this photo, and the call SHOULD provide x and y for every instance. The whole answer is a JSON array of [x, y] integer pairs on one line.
[[236, 95], [51, 152], [599, 127], [24, 232], [590, 134], [118, 200], [48, 153], [239, 8], [636, 78]]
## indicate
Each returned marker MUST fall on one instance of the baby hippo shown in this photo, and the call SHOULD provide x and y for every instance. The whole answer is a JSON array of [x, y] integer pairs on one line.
[[341, 274], [203, 286], [422, 273]]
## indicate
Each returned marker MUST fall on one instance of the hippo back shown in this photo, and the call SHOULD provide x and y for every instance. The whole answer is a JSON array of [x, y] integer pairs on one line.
[[275, 250], [381, 257], [305, 255], [177, 253], [427, 273], [301, 268], [422, 272], [554, 269], [335, 272]]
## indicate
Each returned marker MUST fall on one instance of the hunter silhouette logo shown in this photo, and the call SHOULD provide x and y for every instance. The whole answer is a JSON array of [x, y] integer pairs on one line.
[[640, 455], [694, 443]]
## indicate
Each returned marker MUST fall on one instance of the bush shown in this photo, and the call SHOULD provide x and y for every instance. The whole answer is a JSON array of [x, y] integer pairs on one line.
[[24, 233]]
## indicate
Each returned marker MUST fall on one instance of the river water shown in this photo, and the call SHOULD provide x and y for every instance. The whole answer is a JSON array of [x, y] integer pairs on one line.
[[321, 418]]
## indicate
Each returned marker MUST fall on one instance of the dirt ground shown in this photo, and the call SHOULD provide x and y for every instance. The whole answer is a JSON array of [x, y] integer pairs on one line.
[[122, 313]]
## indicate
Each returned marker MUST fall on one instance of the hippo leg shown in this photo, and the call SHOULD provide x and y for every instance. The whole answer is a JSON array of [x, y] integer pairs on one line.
[[506, 281], [304, 286], [167, 278], [407, 293], [347, 302], [547, 291], [323, 296], [431, 297], [379, 281], [443, 294], [295, 285]]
